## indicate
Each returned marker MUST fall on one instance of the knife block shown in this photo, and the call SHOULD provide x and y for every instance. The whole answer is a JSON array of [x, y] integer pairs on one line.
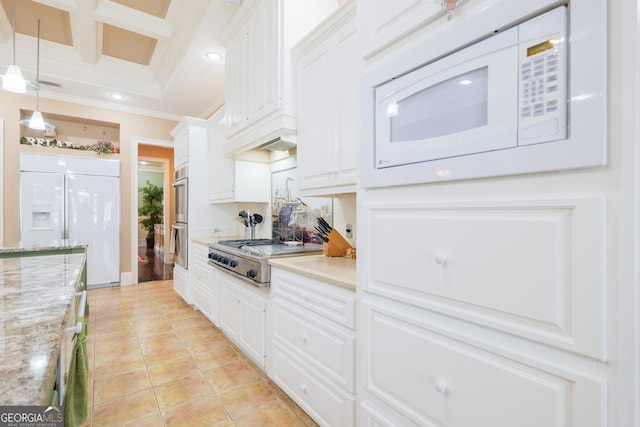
[[337, 245]]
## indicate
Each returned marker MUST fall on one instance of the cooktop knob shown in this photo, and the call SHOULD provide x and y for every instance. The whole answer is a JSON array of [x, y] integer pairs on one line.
[[233, 263], [251, 273]]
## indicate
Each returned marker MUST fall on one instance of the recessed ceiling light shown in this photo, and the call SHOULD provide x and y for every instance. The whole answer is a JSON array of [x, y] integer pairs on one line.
[[213, 56], [117, 96]]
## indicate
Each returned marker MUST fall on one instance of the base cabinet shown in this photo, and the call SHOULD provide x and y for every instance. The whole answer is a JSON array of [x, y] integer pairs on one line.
[[181, 283], [431, 373], [312, 339], [203, 291], [242, 314]]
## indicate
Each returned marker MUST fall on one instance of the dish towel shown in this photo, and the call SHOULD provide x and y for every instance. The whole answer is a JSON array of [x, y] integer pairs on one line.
[[75, 400]]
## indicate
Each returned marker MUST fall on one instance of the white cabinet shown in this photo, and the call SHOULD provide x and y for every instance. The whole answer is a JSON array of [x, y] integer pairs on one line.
[[191, 137], [258, 87], [312, 338], [384, 22], [203, 292], [490, 314], [242, 314], [181, 283], [433, 374], [233, 180], [180, 153], [328, 66]]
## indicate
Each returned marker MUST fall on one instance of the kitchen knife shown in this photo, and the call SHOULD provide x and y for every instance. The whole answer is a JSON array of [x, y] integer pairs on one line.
[[322, 237], [324, 223], [321, 232]]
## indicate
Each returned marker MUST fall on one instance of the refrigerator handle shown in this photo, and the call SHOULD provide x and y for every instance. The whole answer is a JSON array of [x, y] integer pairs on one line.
[[65, 208]]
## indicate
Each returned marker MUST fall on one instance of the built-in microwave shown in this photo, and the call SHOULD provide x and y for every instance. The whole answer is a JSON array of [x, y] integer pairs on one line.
[[500, 105]]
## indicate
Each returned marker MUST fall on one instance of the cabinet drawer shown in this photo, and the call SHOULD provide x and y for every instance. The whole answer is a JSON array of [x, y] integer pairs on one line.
[[335, 303], [330, 348], [438, 380], [535, 268], [324, 403], [202, 274], [200, 253]]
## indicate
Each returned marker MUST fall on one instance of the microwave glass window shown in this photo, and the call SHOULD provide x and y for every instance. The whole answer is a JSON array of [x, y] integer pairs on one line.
[[451, 106]]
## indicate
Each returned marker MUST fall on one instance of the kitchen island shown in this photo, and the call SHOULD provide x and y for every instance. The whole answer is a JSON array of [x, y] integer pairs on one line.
[[63, 246], [36, 297]]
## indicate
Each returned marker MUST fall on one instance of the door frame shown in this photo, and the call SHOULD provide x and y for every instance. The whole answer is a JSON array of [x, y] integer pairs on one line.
[[135, 141]]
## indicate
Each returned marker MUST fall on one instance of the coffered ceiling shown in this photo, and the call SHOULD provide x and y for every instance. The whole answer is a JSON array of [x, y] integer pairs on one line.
[[150, 51]]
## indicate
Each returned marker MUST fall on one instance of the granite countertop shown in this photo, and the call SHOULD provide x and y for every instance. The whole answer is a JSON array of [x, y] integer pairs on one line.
[[340, 271], [35, 297], [62, 244]]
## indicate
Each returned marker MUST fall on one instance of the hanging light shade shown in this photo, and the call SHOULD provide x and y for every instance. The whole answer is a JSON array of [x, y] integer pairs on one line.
[[37, 121], [13, 80]]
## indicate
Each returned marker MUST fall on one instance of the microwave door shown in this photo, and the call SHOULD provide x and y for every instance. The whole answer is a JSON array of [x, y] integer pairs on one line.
[[463, 105]]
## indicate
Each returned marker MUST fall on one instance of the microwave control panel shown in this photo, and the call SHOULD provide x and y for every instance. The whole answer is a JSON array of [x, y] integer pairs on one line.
[[543, 80]]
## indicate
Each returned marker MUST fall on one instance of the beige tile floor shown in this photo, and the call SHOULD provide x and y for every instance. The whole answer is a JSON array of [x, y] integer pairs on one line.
[[154, 361]]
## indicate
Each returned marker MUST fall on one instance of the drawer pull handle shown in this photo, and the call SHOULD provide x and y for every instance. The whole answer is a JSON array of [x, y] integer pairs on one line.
[[303, 338], [441, 259], [441, 387], [303, 388]]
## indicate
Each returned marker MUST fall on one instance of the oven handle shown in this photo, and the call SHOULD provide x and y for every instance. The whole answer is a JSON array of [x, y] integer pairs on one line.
[[180, 183], [83, 302]]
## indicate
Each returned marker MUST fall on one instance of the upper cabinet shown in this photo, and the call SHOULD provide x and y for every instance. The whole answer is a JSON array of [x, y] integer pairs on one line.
[[384, 22], [190, 142], [180, 151], [233, 180], [328, 68], [258, 85]]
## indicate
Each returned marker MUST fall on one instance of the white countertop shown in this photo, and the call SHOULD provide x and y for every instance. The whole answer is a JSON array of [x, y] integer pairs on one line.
[[340, 271]]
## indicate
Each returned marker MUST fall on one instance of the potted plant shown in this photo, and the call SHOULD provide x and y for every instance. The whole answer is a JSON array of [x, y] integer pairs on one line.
[[150, 212]]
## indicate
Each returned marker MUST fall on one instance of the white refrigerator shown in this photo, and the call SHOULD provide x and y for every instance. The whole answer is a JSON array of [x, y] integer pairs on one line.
[[78, 199]]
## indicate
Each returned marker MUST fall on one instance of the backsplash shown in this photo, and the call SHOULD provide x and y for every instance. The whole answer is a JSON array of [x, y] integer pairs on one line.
[[344, 213]]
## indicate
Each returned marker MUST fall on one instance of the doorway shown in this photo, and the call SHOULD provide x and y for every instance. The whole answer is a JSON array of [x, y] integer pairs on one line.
[[154, 177]]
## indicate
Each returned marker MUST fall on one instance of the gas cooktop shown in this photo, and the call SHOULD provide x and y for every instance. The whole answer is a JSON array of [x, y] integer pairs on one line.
[[249, 259]]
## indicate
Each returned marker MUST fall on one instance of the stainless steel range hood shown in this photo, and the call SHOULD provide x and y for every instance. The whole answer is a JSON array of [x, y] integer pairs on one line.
[[282, 143]]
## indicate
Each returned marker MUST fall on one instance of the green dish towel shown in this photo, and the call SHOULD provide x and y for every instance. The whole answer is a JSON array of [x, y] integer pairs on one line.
[[76, 395]]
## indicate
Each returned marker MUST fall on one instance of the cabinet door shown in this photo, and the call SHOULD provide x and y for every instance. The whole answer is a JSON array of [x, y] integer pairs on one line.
[[263, 60], [251, 331], [228, 302], [181, 283], [315, 136], [328, 111], [180, 149], [346, 103], [242, 315], [235, 85], [221, 169], [384, 22]]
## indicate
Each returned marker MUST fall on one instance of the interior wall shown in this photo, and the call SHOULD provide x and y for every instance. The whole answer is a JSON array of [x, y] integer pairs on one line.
[[131, 125]]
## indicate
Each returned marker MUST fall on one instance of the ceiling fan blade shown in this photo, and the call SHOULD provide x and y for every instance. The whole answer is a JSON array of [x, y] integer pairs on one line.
[[48, 83]]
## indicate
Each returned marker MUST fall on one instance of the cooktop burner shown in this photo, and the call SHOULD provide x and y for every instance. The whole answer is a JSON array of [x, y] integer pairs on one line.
[[250, 242]]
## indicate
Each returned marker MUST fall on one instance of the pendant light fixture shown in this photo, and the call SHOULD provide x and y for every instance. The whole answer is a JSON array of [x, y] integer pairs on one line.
[[13, 80], [37, 121]]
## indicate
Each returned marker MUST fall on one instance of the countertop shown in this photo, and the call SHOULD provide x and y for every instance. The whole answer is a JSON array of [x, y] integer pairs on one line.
[[63, 244], [35, 297], [340, 271]]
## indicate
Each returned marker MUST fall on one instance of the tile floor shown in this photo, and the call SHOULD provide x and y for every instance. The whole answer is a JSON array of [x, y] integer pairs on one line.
[[154, 361]]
